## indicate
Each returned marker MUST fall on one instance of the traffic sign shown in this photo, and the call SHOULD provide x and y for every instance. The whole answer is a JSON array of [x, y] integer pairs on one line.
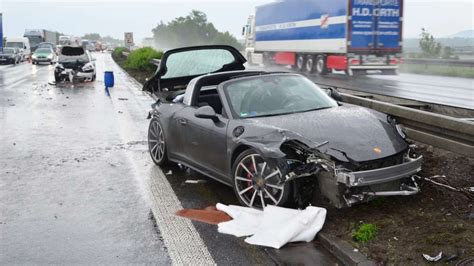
[[129, 39]]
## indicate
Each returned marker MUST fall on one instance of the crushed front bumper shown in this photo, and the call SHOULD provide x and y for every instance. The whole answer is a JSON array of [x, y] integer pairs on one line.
[[381, 175]]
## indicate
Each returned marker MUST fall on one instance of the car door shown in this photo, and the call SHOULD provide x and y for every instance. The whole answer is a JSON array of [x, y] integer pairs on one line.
[[206, 142]]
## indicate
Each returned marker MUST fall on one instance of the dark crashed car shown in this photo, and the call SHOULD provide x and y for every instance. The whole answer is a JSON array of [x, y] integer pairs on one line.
[[274, 137]]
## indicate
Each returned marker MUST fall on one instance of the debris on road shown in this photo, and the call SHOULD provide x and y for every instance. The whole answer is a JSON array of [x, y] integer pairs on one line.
[[123, 99], [209, 215], [274, 226], [199, 181], [433, 259]]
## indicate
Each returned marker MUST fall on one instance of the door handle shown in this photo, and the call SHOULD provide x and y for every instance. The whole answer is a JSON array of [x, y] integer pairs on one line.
[[183, 121]]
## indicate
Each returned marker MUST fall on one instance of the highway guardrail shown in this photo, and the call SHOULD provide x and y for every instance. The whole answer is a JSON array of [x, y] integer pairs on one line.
[[452, 134], [445, 62]]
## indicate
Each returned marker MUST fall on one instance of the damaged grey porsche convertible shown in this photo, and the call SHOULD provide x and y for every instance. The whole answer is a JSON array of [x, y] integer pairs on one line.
[[274, 137]]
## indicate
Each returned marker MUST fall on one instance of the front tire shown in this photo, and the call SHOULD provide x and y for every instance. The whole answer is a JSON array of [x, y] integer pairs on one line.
[[256, 182], [157, 143]]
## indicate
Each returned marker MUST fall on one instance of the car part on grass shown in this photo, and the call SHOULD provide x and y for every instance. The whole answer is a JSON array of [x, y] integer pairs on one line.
[[468, 191], [433, 259]]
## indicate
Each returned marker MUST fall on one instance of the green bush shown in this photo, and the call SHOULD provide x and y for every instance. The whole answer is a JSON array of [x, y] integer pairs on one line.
[[117, 53], [365, 233], [140, 59]]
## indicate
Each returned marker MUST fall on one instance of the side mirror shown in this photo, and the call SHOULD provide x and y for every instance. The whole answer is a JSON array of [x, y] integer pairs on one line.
[[333, 93], [206, 112]]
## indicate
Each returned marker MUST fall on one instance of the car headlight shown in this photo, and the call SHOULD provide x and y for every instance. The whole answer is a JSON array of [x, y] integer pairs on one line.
[[393, 121], [400, 131], [34, 56], [88, 67], [50, 56]]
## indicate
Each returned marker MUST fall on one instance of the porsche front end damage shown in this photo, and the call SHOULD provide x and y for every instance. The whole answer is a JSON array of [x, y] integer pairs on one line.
[[343, 184], [344, 188]]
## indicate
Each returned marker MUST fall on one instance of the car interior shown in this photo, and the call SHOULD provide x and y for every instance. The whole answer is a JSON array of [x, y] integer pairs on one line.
[[206, 88]]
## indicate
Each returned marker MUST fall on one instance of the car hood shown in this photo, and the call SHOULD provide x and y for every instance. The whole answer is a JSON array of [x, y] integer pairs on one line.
[[42, 54], [353, 133]]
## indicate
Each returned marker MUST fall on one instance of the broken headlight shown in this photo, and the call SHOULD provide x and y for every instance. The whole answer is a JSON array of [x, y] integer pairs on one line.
[[88, 67], [393, 121]]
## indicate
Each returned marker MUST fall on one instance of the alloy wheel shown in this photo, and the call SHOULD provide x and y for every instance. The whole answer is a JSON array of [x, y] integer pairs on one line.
[[156, 141], [256, 183]]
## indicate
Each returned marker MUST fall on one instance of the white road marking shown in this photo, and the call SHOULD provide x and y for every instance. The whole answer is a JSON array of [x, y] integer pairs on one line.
[[184, 244]]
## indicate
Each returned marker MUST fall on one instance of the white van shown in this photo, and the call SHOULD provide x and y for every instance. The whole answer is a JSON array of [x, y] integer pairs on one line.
[[21, 43]]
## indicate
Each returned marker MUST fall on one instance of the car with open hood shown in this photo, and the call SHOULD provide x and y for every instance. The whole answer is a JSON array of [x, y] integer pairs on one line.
[[274, 137], [75, 63]]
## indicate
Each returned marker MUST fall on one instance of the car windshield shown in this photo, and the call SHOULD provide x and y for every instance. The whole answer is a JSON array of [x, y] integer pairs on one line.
[[15, 44], [8, 50], [197, 62], [275, 95], [43, 51]]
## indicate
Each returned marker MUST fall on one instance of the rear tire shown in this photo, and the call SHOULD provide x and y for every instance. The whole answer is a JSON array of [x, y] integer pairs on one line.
[[255, 183], [157, 143], [309, 66], [321, 65], [300, 62]]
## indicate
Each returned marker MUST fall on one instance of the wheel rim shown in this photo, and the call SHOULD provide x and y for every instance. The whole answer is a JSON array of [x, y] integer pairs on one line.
[[256, 183], [299, 63], [320, 66], [309, 65], [156, 141]]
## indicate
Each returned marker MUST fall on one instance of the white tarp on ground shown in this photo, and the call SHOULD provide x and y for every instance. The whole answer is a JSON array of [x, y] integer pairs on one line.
[[274, 226]]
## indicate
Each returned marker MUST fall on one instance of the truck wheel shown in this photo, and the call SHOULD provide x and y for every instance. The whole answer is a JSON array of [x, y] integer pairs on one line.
[[309, 64], [321, 65], [300, 63]]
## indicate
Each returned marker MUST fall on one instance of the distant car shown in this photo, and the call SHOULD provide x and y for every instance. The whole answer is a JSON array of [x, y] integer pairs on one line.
[[274, 137], [47, 45], [10, 55], [44, 55], [75, 63]]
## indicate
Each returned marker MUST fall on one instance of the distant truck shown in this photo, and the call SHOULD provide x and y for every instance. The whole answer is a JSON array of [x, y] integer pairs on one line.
[[37, 36], [22, 44], [64, 40], [320, 36]]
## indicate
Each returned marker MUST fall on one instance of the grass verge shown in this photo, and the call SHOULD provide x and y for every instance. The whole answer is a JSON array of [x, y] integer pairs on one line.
[[137, 64]]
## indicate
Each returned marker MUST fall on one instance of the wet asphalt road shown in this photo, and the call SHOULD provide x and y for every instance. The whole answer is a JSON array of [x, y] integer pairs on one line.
[[450, 91], [69, 191], [75, 176]]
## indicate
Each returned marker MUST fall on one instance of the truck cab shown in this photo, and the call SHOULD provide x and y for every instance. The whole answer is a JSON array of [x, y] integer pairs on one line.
[[22, 44]]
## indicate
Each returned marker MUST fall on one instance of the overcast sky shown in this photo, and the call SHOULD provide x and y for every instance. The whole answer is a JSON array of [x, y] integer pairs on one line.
[[107, 17]]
